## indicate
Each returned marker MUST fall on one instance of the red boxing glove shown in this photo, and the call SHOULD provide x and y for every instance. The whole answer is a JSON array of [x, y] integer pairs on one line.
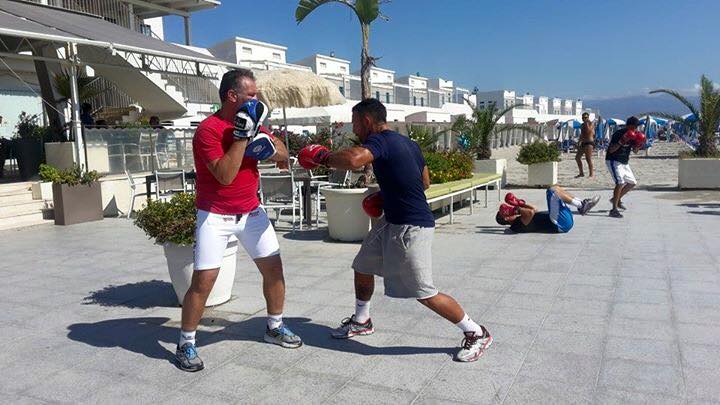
[[373, 205], [627, 137], [507, 210], [639, 140], [313, 156], [512, 200]]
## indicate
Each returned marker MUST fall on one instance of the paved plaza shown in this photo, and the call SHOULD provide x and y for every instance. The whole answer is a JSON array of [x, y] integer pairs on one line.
[[617, 311]]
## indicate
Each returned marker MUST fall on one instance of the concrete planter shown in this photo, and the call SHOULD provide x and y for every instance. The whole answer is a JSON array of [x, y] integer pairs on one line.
[[42, 190], [180, 262], [347, 221], [60, 154], [498, 166], [699, 173], [543, 174], [76, 204]]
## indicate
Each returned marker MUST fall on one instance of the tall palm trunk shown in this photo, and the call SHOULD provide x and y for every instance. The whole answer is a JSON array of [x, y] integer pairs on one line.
[[365, 62]]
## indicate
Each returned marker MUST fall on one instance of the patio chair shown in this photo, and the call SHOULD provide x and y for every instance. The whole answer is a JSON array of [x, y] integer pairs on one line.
[[168, 183], [336, 178], [133, 192], [280, 191]]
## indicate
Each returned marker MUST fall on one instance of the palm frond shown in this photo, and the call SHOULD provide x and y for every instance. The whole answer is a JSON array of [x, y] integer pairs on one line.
[[680, 98], [507, 110], [305, 7]]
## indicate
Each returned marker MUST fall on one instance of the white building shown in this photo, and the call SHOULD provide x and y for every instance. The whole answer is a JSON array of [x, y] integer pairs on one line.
[[578, 107], [567, 108], [334, 69], [381, 85], [412, 90], [253, 54], [555, 106], [440, 91], [501, 98], [541, 104]]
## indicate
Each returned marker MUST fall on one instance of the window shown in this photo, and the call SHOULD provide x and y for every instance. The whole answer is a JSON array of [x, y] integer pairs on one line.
[[343, 68], [414, 100], [145, 30], [246, 50], [422, 101], [377, 95], [342, 90], [323, 65], [277, 56], [374, 74], [443, 100], [387, 97], [389, 78]]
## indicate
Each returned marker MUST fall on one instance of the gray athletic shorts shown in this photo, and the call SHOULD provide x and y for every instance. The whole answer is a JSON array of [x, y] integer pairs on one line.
[[402, 256]]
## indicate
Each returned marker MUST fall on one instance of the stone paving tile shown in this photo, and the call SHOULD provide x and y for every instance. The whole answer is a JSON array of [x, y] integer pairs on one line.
[[573, 322]]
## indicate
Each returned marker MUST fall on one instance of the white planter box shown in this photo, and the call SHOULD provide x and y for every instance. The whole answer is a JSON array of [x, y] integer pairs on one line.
[[42, 190], [498, 166], [181, 265], [699, 173], [347, 221], [543, 174], [60, 154]]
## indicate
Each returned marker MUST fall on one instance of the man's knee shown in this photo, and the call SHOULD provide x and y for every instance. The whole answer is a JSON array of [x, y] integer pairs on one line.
[[203, 281]]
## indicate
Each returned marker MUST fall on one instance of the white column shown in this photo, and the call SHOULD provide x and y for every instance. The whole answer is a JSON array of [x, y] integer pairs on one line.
[[75, 106]]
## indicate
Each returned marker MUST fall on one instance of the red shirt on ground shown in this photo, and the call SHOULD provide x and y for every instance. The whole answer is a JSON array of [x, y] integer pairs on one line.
[[212, 140]]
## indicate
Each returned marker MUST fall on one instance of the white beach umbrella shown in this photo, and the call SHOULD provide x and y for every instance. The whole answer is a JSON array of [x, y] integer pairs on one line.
[[286, 88]]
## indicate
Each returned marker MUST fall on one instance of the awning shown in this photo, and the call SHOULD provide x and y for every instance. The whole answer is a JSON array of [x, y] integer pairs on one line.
[[159, 8], [39, 22]]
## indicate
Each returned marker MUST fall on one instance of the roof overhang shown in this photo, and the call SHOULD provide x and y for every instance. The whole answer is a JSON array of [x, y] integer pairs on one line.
[[160, 8], [28, 27]]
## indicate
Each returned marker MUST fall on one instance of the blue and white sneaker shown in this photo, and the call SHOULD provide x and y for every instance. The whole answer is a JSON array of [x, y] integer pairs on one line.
[[283, 336], [188, 359]]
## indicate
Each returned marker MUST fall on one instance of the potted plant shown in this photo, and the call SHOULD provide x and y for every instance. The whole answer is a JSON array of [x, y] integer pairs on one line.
[[172, 225], [542, 159], [347, 221], [28, 145], [477, 132], [76, 195], [699, 168], [42, 190]]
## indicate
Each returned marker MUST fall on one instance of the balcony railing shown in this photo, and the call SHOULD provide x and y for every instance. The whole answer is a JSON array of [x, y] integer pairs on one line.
[[112, 11]]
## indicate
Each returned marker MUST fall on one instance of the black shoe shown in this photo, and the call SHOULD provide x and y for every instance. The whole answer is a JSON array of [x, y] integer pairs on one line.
[[615, 213], [620, 205], [188, 359]]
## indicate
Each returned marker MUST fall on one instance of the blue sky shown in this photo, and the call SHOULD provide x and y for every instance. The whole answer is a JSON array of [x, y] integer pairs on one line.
[[563, 48]]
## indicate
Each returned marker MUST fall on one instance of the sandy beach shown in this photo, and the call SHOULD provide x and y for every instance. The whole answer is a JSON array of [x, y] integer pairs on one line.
[[657, 169]]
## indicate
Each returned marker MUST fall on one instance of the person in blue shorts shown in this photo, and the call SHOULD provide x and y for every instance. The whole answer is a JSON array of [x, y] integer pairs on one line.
[[525, 218]]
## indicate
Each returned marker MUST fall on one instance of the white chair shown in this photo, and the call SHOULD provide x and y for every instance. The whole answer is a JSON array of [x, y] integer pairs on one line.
[[133, 191], [280, 191], [168, 183]]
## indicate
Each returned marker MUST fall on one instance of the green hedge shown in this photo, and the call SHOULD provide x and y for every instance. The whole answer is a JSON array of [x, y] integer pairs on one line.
[[448, 166], [538, 152]]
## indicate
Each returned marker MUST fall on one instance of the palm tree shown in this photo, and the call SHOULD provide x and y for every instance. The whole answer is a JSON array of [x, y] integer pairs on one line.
[[85, 91], [707, 116], [366, 11], [423, 136], [480, 128]]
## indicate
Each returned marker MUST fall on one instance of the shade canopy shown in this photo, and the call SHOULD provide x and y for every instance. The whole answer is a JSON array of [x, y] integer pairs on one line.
[[296, 88]]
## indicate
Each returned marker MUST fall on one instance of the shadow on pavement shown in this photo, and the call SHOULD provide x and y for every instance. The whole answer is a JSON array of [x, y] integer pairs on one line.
[[143, 336], [142, 295]]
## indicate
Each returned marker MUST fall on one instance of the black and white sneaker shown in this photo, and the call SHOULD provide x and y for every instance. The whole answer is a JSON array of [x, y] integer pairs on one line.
[[474, 345], [588, 204], [615, 213], [188, 359]]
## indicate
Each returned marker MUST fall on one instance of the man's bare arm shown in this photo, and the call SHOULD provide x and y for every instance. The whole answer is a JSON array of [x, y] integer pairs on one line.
[[353, 158], [226, 168], [426, 178]]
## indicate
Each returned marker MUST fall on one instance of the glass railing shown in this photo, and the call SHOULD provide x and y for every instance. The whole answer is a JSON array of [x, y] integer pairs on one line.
[[112, 151]]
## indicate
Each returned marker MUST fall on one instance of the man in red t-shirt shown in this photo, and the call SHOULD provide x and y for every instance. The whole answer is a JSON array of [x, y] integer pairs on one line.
[[228, 206]]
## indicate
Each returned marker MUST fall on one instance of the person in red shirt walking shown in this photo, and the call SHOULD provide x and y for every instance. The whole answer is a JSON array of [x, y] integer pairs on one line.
[[226, 148]]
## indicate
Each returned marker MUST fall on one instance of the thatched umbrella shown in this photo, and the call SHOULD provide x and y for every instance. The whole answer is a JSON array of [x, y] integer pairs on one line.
[[284, 88]]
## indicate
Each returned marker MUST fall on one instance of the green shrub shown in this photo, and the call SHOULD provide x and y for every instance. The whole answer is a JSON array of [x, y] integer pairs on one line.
[[169, 222], [424, 137], [49, 173], [27, 126], [72, 176], [448, 166], [538, 152]]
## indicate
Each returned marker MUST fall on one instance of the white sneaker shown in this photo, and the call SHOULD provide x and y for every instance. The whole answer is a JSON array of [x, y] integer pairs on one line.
[[474, 345]]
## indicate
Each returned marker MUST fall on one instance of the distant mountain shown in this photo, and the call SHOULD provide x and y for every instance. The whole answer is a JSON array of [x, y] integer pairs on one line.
[[623, 107]]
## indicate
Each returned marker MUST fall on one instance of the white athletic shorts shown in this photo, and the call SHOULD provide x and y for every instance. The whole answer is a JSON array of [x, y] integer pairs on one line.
[[620, 172], [212, 232]]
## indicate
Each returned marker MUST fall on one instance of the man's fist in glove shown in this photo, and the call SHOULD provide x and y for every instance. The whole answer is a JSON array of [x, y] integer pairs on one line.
[[262, 146], [313, 156], [249, 118]]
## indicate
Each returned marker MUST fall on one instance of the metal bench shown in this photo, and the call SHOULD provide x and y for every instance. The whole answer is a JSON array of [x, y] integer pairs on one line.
[[439, 192]]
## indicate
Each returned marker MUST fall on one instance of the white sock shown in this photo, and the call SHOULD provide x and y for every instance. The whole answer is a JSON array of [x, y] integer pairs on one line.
[[468, 325], [362, 311], [274, 321], [576, 202], [186, 337]]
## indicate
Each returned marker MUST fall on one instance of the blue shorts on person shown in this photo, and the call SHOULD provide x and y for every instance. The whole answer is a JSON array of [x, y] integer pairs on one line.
[[560, 214]]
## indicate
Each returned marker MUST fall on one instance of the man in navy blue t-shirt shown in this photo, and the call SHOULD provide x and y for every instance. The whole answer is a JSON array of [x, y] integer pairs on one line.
[[399, 246]]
